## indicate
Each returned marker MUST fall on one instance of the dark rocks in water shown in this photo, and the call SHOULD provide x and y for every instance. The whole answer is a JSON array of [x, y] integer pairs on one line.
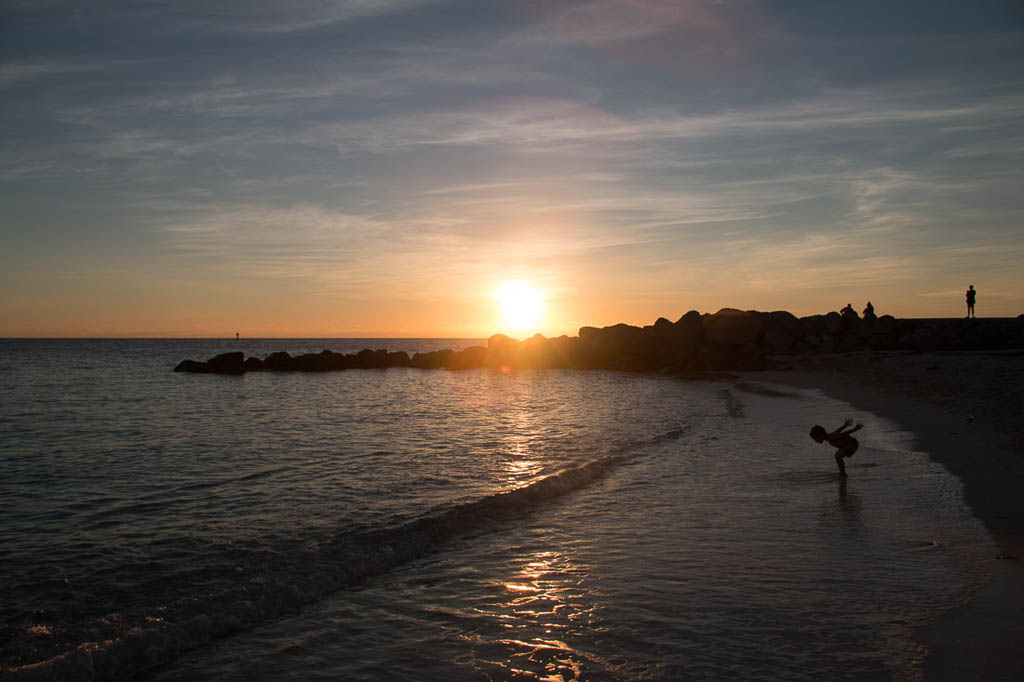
[[280, 361], [432, 360], [225, 363], [193, 366], [467, 358], [730, 339], [397, 359], [370, 359], [228, 363], [310, 362]]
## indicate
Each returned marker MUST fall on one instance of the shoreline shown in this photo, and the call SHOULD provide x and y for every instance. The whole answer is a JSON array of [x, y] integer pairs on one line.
[[964, 409]]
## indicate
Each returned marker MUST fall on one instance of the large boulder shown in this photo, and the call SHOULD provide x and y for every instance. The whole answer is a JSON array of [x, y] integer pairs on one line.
[[834, 324], [620, 338], [884, 333], [783, 320], [689, 325], [537, 352], [662, 330], [370, 359], [329, 361], [398, 359], [813, 326], [565, 352], [253, 364], [610, 347], [308, 362], [228, 363], [193, 367], [780, 332], [779, 341], [502, 351], [469, 358], [730, 328], [280, 361], [432, 360]]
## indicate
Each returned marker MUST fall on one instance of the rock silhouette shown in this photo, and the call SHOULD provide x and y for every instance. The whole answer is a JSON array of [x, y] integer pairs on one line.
[[727, 340]]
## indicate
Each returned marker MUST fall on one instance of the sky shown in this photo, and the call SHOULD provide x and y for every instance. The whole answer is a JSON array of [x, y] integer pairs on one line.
[[315, 168]]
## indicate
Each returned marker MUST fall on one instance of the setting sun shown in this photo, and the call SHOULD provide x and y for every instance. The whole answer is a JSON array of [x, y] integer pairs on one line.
[[522, 306]]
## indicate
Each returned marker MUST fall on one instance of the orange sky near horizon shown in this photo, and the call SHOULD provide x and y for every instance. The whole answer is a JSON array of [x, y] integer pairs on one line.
[[471, 312]]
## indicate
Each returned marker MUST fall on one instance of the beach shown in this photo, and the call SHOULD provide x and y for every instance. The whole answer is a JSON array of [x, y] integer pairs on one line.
[[965, 409]]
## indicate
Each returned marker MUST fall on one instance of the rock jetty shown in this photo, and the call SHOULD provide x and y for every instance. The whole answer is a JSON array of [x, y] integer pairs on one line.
[[727, 340]]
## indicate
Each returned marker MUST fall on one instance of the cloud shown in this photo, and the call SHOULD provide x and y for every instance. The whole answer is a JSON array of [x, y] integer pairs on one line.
[[270, 16], [21, 71]]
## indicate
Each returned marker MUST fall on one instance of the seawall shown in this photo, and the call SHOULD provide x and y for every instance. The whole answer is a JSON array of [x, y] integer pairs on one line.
[[730, 339]]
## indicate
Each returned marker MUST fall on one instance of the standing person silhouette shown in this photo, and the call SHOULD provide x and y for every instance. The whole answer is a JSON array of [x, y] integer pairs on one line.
[[971, 295]]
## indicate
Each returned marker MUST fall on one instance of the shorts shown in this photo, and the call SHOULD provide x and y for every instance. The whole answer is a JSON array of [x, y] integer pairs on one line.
[[848, 448]]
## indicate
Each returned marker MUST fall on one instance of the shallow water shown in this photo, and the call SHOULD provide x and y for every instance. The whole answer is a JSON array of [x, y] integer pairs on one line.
[[354, 525]]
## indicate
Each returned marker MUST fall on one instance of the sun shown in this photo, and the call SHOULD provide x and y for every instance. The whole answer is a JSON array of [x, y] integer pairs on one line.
[[522, 306]]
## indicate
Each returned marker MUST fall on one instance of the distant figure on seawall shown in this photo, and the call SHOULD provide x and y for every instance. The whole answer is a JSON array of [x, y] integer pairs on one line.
[[842, 440], [971, 295], [869, 311], [848, 311], [236, 336]]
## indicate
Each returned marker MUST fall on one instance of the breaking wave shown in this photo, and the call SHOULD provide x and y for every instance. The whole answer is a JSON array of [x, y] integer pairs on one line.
[[290, 582]]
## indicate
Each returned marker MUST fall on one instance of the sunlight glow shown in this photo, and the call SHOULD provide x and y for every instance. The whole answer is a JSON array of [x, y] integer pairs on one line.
[[522, 306]]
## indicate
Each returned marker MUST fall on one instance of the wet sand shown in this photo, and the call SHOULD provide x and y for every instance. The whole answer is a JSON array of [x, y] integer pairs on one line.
[[967, 410]]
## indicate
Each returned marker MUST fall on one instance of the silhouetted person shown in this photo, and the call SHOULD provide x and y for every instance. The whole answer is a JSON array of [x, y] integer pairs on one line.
[[846, 444], [869, 311], [848, 311], [236, 336], [971, 295]]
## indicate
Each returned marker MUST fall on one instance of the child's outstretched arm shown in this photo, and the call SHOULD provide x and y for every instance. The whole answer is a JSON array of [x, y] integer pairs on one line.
[[841, 430]]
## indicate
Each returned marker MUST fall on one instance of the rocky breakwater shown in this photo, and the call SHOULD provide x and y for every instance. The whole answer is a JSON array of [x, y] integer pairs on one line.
[[727, 340]]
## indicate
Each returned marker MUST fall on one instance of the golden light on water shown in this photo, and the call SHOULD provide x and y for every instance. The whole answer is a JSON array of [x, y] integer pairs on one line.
[[521, 306], [544, 592]]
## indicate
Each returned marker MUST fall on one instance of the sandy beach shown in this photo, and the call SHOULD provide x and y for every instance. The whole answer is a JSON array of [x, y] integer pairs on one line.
[[966, 410]]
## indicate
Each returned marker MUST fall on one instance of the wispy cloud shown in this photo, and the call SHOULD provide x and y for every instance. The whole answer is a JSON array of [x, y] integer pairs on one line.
[[267, 16], [21, 71]]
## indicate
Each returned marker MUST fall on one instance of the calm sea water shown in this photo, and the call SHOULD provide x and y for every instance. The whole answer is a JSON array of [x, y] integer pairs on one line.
[[418, 525]]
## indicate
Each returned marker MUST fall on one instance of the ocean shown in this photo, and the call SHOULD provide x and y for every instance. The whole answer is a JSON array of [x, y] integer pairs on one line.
[[406, 524]]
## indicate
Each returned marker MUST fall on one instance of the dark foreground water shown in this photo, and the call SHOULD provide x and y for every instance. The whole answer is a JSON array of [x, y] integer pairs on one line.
[[419, 525]]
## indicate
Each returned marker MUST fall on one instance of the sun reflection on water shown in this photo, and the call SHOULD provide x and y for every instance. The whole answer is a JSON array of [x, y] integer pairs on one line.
[[542, 608], [520, 463]]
